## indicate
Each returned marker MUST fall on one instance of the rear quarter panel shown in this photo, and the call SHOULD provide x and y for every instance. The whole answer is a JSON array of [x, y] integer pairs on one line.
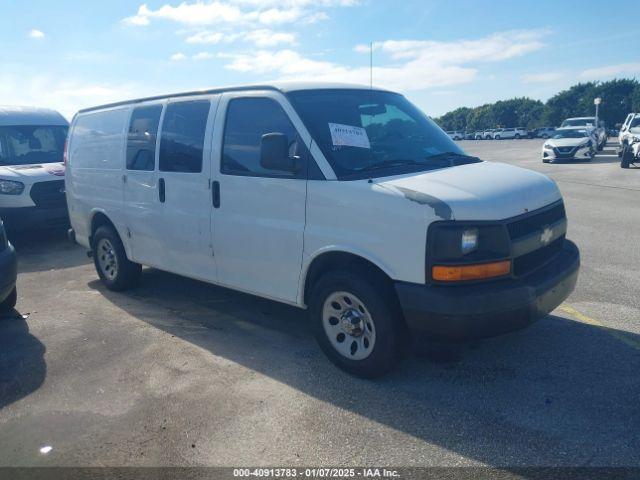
[[94, 169]]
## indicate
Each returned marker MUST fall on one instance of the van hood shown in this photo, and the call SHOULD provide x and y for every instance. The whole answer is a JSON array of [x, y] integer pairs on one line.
[[33, 172], [478, 191]]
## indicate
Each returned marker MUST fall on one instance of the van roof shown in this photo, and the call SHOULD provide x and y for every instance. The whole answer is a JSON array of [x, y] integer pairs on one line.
[[283, 87], [10, 116]]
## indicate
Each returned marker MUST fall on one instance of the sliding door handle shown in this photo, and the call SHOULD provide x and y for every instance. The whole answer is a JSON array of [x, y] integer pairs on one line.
[[215, 194], [161, 190]]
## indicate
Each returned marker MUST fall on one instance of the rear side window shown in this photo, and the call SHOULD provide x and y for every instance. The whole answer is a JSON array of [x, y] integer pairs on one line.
[[182, 140], [141, 139]]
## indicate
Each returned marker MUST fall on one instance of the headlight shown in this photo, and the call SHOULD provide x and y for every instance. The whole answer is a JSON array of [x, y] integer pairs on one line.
[[584, 145], [469, 241], [10, 187], [635, 138], [546, 146], [453, 243]]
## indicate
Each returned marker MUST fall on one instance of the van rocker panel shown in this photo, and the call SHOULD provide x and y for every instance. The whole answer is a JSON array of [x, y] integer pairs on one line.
[[459, 312]]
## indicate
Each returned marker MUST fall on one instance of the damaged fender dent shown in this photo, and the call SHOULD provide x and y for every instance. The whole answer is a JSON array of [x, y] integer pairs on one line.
[[441, 209]]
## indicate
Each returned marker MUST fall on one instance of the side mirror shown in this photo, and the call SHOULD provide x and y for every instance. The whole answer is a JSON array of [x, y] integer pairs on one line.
[[274, 153]]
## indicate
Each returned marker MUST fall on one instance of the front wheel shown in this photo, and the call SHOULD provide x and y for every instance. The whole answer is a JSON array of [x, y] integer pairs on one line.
[[116, 271], [517, 136], [9, 303], [357, 323]]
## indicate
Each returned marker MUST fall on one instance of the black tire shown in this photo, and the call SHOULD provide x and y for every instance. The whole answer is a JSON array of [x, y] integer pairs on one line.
[[497, 137], [126, 273], [384, 312], [517, 136], [544, 160], [9, 303]]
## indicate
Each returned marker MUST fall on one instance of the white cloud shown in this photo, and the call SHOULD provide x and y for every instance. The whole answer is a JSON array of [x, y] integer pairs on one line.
[[205, 37], [265, 38], [610, 71], [203, 56], [67, 95], [178, 57], [261, 38], [37, 34], [413, 65], [188, 13], [238, 12], [543, 77]]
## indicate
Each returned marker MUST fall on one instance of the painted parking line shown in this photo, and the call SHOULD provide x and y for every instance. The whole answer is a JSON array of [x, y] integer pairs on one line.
[[581, 317]]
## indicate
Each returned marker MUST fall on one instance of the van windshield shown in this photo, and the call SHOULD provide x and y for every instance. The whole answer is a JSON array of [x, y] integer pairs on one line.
[[27, 144], [365, 133]]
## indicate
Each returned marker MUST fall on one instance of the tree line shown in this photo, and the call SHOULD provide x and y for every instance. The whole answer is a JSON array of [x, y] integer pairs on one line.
[[619, 97]]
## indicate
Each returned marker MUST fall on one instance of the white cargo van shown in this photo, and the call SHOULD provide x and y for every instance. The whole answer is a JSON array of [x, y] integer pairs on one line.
[[344, 200], [31, 167]]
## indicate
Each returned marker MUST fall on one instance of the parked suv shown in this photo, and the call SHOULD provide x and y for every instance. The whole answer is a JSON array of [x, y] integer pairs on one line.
[[348, 202], [509, 133], [8, 273], [544, 132], [456, 135], [31, 167], [625, 135]]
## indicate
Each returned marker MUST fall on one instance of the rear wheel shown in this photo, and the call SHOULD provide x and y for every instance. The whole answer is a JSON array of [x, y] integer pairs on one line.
[[517, 136], [116, 271], [9, 303], [357, 323]]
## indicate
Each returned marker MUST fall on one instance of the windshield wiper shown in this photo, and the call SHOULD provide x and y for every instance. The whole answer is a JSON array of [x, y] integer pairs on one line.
[[390, 163], [454, 157]]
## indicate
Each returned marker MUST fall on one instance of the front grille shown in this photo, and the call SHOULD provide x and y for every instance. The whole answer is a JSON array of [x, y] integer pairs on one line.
[[565, 151], [49, 194], [536, 259], [533, 223], [536, 222]]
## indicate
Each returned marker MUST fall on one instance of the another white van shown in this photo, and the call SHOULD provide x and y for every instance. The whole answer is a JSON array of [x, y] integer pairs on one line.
[[32, 168], [342, 200]]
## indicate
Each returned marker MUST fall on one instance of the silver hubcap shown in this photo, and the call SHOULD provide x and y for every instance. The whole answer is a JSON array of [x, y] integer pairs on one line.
[[348, 325], [107, 259]]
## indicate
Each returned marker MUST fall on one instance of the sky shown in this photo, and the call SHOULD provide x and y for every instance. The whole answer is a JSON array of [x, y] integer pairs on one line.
[[441, 54]]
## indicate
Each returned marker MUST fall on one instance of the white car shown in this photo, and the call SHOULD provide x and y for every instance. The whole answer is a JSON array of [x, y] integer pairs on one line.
[[339, 199], [31, 168], [628, 129], [631, 151], [597, 130], [569, 143], [456, 135], [509, 133]]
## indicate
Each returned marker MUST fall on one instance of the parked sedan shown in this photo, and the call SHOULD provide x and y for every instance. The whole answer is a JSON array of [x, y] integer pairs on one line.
[[571, 143], [8, 273]]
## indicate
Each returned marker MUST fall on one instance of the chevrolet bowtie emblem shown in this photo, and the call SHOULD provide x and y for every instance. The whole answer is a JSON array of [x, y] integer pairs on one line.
[[547, 235]]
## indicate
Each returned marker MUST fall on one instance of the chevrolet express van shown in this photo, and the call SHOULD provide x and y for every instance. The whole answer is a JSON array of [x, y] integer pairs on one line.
[[343, 200], [32, 168]]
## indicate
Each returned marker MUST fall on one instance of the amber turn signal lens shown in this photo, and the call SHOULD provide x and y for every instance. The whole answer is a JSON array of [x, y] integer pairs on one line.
[[459, 273]]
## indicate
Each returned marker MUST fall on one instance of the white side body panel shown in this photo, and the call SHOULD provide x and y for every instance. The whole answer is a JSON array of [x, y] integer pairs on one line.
[[94, 177]]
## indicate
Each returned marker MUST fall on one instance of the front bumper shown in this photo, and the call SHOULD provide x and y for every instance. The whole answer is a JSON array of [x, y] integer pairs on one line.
[[34, 217], [492, 308], [8, 272], [579, 155]]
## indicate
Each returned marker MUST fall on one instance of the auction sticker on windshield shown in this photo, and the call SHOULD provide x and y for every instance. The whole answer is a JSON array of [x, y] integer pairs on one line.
[[349, 136]]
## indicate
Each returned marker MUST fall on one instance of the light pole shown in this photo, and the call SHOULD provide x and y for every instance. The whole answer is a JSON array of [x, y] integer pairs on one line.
[[597, 101]]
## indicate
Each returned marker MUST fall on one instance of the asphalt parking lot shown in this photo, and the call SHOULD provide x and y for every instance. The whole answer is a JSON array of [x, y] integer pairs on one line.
[[177, 372]]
